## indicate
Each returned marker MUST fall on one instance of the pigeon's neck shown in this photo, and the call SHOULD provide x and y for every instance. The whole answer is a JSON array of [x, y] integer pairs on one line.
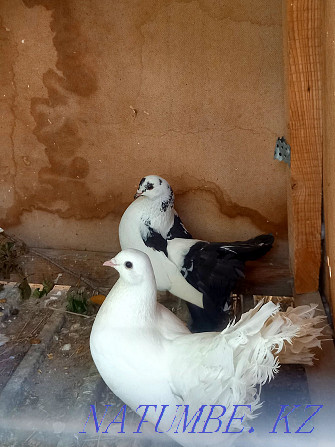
[[131, 306], [158, 214], [161, 205]]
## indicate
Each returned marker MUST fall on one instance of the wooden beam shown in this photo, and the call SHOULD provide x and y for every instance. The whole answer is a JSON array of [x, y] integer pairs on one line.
[[303, 57], [329, 146]]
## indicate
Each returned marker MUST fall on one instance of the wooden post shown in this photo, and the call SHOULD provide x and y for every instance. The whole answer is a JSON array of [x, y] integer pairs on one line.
[[329, 142], [303, 57]]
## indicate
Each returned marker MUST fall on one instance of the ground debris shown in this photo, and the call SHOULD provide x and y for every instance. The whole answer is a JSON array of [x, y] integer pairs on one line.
[[3, 339], [66, 347]]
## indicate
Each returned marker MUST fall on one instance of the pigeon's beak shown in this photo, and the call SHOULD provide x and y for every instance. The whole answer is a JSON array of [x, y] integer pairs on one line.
[[138, 194], [110, 263]]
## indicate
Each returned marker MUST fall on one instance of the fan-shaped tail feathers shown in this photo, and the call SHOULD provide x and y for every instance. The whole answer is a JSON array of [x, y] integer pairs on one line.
[[301, 350], [243, 357]]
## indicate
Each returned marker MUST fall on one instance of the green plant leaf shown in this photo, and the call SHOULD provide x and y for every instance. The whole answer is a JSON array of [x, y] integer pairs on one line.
[[47, 286], [77, 300], [38, 293], [25, 289]]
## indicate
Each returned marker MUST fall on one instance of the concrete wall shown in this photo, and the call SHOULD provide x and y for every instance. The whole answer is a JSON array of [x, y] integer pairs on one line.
[[95, 94]]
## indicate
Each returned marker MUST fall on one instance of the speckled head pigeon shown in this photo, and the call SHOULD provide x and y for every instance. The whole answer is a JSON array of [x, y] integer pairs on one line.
[[202, 273]]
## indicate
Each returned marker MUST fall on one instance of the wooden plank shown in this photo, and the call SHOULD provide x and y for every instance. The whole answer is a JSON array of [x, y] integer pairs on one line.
[[263, 276], [303, 27], [329, 149]]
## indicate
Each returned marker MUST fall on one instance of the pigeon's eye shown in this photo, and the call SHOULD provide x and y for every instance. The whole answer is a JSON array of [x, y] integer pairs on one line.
[[150, 186], [128, 264]]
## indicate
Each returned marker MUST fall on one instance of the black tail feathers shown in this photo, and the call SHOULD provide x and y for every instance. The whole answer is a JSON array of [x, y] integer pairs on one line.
[[251, 249]]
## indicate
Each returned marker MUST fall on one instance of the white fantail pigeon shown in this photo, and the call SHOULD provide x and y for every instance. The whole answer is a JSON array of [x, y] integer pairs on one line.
[[201, 273], [147, 357]]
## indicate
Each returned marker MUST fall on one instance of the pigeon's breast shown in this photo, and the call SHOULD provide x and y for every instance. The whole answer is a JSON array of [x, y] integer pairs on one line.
[[132, 229], [132, 363]]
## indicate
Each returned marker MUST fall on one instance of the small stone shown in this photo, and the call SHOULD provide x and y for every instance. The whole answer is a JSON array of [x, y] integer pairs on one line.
[[66, 347], [35, 341], [75, 326]]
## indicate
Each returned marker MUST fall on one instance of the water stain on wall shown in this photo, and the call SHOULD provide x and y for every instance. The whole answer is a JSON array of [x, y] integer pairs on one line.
[[226, 206], [63, 181]]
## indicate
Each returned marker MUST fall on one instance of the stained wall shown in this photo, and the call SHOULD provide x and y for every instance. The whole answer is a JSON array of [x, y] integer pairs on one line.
[[95, 94]]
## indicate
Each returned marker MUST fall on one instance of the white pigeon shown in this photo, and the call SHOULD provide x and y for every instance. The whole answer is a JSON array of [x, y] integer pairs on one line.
[[201, 273], [147, 356]]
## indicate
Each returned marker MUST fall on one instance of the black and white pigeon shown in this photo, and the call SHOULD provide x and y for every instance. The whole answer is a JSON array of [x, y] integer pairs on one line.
[[202, 273]]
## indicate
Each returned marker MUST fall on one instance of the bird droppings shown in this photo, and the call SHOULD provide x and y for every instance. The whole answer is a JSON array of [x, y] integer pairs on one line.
[[66, 347]]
